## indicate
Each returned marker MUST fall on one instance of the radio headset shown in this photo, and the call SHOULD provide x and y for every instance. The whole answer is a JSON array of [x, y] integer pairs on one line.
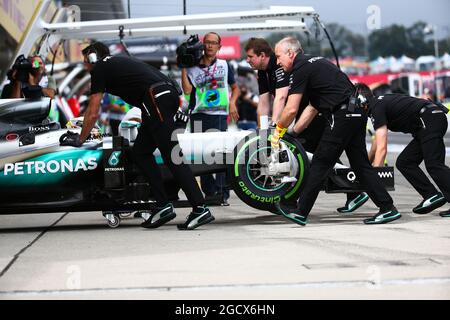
[[92, 57], [357, 100]]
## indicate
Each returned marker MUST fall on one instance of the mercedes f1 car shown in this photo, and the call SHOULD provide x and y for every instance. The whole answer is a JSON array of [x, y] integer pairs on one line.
[[38, 175]]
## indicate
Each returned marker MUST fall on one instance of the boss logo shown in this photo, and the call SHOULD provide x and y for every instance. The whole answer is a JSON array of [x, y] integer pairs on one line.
[[39, 129]]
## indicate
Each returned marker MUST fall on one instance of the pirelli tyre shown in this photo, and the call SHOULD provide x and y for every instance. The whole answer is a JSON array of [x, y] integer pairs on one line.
[[248, 176]]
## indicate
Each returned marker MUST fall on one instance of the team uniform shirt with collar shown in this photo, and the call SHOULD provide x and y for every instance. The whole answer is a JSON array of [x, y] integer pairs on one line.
[[400, 113], [326, 85], [272, 78], [125, 77], [210, 94]]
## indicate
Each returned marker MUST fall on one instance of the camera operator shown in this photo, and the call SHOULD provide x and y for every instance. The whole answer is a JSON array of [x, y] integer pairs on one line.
[[29, 80], [206, 88]]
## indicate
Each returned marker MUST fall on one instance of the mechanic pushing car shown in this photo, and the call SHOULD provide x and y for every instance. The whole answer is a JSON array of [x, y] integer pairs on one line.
[[331, 93], [158, 97], [427, 123], [273, 84]]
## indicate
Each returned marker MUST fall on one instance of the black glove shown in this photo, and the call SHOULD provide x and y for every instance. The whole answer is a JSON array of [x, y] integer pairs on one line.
[[181, 118], [70, 139]]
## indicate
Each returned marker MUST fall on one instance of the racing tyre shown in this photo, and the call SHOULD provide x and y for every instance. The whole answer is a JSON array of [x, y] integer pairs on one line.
[[249, 177]]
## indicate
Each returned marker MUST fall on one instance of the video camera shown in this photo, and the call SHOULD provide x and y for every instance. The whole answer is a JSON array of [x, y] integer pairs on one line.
[[190, 52], [23, 67]]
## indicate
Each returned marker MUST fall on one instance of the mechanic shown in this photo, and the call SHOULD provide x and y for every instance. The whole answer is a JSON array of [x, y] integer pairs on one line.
[[206, 89], [427, 123], [330, 92], [158, 97], [38, 84], [274, 83], [310, 138]]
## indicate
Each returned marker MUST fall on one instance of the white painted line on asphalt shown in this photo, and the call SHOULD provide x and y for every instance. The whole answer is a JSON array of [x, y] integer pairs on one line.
[[17, 255], [301, 285]]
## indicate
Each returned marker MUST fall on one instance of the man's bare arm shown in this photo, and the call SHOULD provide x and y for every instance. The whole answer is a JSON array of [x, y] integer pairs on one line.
[[306, 118], [91, 115], [279, 101], [185, 84], [381, 146], [234, 96], [290, 111]]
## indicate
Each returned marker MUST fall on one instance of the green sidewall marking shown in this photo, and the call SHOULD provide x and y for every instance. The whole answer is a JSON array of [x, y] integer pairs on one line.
[[300, 180], [236, 162], [291, 147]]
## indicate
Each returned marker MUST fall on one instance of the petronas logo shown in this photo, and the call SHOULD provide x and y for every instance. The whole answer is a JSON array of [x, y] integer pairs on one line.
[[114, 158]]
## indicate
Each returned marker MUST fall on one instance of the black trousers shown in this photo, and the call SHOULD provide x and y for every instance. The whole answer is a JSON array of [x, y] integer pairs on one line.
[[158, 109], [310, 139], [428, 146], [345, 132]]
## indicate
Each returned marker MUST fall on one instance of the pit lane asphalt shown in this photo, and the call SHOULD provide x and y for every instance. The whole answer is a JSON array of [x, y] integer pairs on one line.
[[244, 254]]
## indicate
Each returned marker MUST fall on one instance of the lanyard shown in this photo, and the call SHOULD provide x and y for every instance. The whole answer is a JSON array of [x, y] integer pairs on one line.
[[213, 81]]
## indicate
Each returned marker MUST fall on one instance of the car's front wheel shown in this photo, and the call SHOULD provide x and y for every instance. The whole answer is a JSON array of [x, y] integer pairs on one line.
[[251, 178]]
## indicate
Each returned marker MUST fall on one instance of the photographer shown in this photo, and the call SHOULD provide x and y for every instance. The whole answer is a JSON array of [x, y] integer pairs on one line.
[[206, 87], [28, 79]]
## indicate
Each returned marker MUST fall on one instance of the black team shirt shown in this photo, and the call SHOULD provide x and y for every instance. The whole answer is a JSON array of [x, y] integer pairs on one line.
[[125, 77], [273, 78], [400, 113], [327, 86]]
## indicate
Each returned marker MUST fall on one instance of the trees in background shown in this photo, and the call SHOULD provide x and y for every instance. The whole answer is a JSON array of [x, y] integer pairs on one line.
[[395, 40]]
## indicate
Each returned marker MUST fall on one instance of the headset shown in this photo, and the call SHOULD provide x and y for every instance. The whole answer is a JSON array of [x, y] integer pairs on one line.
[[92, 56]]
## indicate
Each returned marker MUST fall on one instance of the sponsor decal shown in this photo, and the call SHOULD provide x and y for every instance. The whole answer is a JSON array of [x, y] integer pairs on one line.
[[114, 158], [312, 60], [384, 174], [39, 129], [114, 169], [257, 197], [46, 167], [351, 176]]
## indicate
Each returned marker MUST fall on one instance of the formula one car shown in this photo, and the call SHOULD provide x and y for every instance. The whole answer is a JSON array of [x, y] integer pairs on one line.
[[37, 175]]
